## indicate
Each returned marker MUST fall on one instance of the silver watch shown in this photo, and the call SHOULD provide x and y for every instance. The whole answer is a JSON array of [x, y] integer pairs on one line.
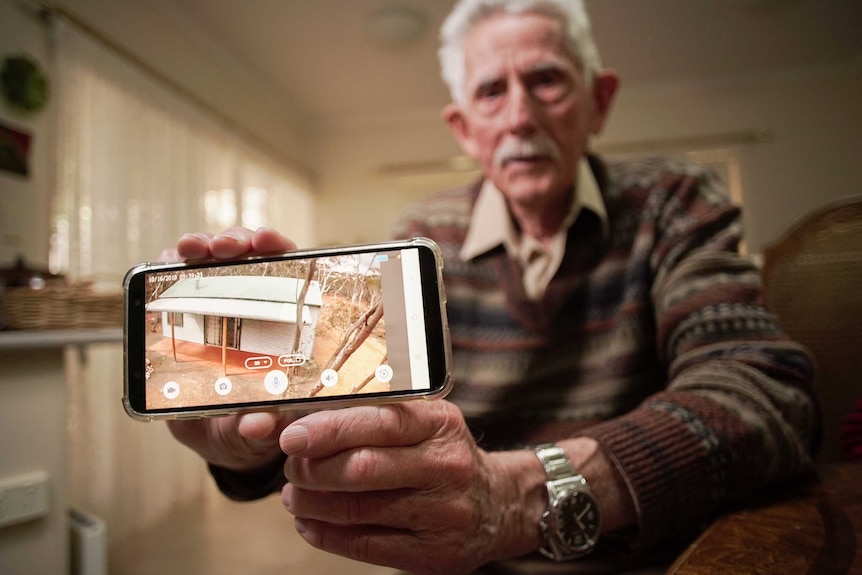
[[571, 524]]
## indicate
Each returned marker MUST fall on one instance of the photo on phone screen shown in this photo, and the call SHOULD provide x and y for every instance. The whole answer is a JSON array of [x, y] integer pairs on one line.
[[299, 328]]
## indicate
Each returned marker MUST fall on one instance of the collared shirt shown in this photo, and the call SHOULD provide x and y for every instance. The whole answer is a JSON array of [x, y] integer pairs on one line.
[[491, 225]]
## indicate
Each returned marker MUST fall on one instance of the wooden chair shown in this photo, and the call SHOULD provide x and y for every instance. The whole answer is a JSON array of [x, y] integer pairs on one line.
[[813, 283]]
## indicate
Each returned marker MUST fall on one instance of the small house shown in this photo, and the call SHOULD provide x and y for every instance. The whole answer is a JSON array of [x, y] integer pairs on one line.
[[255, 314]]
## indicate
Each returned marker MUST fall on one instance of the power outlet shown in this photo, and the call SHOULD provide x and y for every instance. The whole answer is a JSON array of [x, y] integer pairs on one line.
[[24, 498]]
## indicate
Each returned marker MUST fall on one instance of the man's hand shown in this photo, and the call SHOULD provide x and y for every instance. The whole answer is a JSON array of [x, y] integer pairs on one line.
[[405, 485], [239, 442], [232, 243], [247, 441]]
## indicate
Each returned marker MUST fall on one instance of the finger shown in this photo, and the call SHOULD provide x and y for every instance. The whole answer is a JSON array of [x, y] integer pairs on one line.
[[365, 469], [325, 433], [169, 255], [264, 426], [190, 432], [231, 243], [430, 552], [346, 508], [267, 240], [397, 508], [362, 543], [257, 426], [194, 246], [217, 441]]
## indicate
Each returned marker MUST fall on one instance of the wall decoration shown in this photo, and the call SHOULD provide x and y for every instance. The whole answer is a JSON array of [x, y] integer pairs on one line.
[[24, 85], [14, 151]]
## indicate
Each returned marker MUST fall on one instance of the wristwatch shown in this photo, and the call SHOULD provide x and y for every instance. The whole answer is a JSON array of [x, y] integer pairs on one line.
[[571, 525]]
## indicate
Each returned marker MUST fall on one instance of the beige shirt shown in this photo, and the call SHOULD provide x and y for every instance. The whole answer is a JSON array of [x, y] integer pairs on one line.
[[491, 225]]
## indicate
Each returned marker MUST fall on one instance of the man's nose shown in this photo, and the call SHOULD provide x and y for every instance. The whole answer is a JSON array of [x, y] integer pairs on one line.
[[520, 112]]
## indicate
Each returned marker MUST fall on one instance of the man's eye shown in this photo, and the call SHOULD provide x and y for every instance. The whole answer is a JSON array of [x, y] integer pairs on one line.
[[490, 91], [546, 78], [549, 85]]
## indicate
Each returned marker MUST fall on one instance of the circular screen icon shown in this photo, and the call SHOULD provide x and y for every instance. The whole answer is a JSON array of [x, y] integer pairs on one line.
[[329, 377], [171, 390], [275, 382], [383, 373], [223, 386]]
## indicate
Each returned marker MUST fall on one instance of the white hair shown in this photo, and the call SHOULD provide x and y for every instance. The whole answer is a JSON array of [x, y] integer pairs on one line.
[[468, 13]]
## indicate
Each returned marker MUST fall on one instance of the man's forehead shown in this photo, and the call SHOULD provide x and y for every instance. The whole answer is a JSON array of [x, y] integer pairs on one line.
[[483, 71], [519, 42], [489, 72]]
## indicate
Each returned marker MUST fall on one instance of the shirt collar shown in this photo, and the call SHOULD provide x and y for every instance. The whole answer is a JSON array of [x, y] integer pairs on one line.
[[491, 225]]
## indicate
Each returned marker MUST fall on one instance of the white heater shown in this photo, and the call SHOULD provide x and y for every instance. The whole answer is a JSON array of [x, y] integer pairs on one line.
[[88, 544]]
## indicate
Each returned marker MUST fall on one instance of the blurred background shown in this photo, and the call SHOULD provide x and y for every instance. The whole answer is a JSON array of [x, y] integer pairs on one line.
[[144, 120]]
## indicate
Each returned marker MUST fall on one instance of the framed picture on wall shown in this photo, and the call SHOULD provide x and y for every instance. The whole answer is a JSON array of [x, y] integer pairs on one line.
[[14, 150]]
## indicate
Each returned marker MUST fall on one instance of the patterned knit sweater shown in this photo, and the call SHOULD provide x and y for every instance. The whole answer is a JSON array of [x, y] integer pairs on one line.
[[652, 339]]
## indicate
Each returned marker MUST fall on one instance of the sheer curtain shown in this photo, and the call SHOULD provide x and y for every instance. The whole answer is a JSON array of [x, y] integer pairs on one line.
[[138, 165]]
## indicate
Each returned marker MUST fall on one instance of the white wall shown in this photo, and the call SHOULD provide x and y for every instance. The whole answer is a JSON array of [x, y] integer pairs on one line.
[[358, 203], [32, 427], [24, 201], [814, 118], [815, 122], [159, 35]]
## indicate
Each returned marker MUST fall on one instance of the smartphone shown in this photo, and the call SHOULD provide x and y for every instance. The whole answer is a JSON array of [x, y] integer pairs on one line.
[[300, 330]]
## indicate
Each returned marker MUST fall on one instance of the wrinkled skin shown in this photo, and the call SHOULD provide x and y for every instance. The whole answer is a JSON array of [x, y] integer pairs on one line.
[[402, 485]]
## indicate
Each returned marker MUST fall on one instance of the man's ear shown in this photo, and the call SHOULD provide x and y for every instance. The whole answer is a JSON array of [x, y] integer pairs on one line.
[[459, 125], [605, 84]]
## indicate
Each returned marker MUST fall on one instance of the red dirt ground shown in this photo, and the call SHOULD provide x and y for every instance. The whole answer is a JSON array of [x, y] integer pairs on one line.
[[197, 367]]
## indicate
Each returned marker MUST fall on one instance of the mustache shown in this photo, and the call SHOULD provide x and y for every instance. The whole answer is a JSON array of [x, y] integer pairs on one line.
[[517, 148]]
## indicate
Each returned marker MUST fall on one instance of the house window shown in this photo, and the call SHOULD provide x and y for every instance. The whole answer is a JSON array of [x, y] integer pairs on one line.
[[214, 329], [175, 319]]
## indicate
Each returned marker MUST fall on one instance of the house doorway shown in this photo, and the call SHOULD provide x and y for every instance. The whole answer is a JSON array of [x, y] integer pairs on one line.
[[214, 331]]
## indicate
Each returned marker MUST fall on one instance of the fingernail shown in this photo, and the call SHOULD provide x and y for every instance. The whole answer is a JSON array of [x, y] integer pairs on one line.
[[235, 236], [195, 236], [300, 526], [293, 439]]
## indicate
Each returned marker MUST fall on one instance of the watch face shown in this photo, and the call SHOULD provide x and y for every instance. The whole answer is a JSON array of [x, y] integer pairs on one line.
[[578, 522]]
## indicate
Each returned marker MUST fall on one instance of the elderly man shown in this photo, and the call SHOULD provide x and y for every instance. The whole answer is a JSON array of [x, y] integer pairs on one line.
[[618, 382]]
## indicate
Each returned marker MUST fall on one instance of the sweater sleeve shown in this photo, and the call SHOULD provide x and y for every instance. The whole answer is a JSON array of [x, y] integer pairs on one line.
[[737, 412]]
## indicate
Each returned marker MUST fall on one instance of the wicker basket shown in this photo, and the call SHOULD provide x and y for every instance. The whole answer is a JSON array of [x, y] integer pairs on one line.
[[67, 307]]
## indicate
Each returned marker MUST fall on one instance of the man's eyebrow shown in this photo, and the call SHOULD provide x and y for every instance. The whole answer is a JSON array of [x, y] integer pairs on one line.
[[487, 82], [549, 66], [555, 65]]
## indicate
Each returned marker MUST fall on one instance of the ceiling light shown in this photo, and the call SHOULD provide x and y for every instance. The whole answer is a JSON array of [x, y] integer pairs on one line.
[[396, 26]]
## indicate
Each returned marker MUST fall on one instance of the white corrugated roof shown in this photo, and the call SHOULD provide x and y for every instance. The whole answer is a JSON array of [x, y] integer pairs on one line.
[[258, 288], [225, 307]]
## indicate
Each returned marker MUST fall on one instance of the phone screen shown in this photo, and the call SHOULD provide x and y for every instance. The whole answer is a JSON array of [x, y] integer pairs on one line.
[[298, 328]]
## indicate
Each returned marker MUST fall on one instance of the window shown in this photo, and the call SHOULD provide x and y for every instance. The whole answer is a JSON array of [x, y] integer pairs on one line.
[[139, 165]]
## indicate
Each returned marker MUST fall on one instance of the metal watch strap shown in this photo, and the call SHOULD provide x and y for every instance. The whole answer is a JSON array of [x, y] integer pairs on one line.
[[555, 461], [561, 476]]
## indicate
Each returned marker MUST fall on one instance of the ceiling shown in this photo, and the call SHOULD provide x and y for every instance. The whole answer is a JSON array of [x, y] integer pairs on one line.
[[318, 57]]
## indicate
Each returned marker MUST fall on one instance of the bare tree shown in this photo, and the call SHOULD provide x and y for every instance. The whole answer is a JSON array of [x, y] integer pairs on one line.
[[354, 336], [368, 379], [300, 307]]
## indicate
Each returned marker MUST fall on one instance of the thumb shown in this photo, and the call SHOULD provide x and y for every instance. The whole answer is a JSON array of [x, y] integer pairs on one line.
[[263, 427]]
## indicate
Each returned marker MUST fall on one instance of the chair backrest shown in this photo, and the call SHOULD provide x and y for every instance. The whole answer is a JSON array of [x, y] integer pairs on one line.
[[813, 283]]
